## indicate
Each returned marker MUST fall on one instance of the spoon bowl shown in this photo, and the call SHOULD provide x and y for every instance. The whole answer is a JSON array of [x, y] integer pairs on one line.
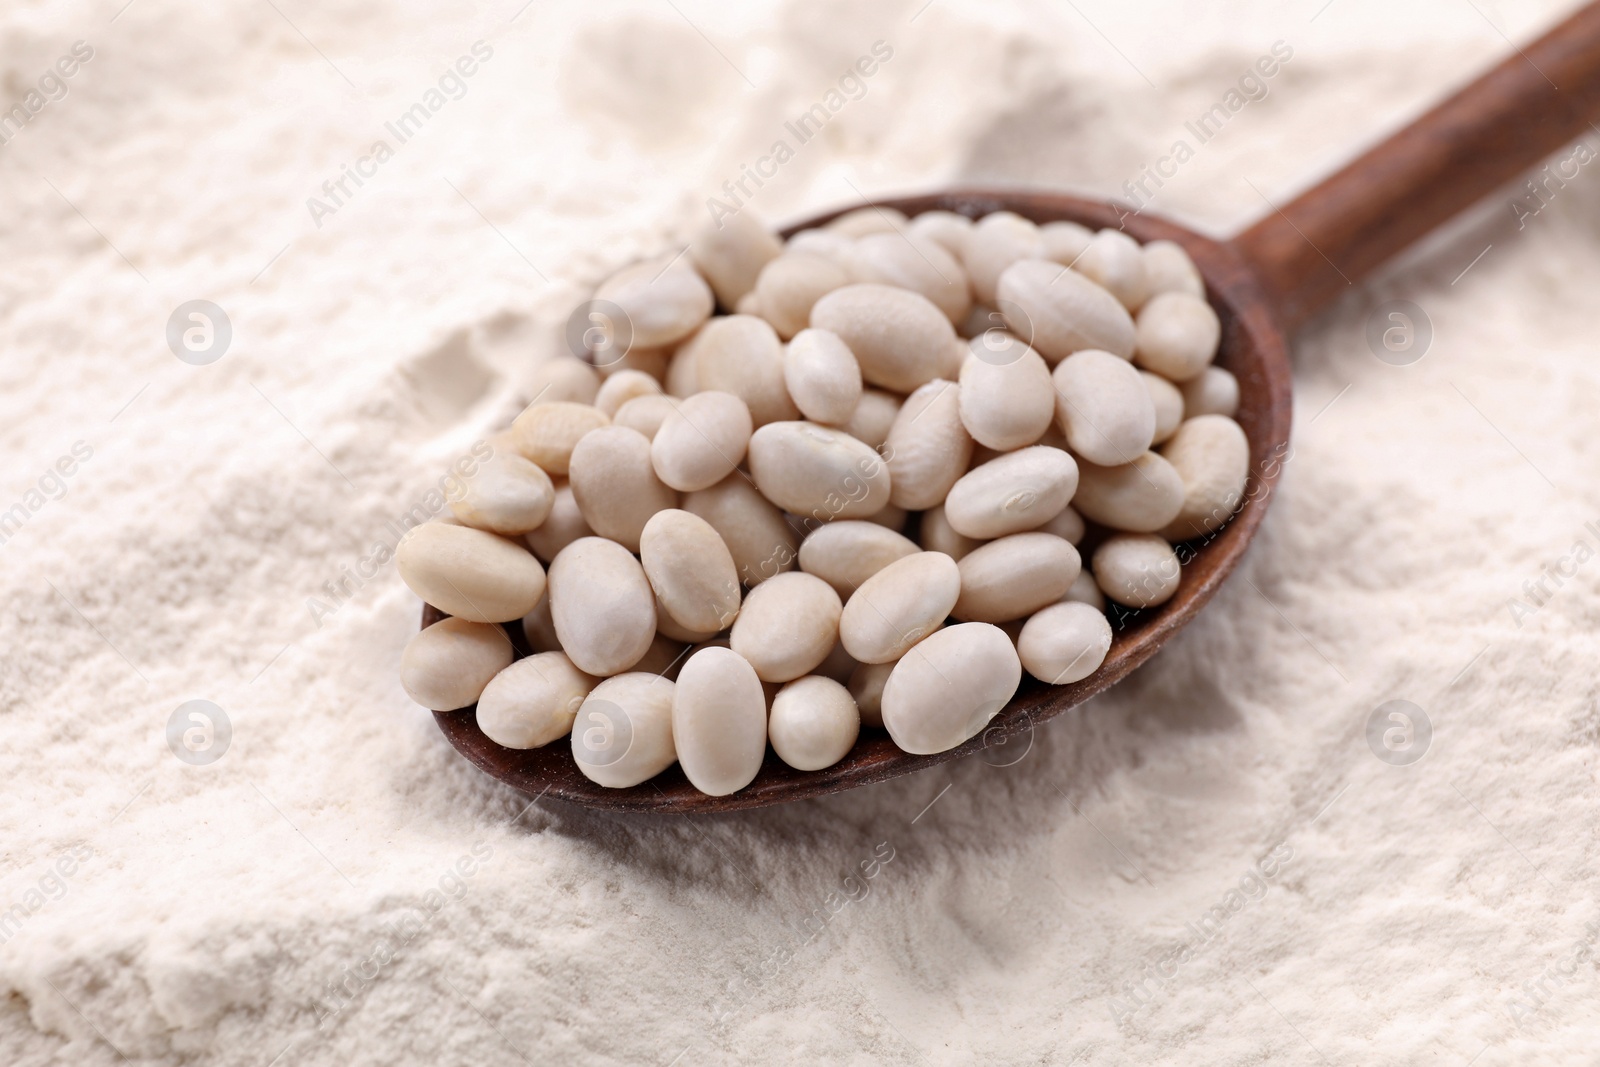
[[1253, 348]]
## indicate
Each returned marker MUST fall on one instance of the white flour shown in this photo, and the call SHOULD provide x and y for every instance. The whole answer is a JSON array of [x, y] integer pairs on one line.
[[341, 888]]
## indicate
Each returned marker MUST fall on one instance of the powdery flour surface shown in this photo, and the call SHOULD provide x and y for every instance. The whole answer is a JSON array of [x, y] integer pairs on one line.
[[1207, 865]]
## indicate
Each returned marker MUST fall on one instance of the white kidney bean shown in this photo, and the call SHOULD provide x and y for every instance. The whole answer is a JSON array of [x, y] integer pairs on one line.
[[1103, 407], [615, 484], [664, 298], [1176, 336], [507, 494], [873, 416], [447, 665], [1212, 457], [719, 721], [822, 376], [1115, 262], [622, 735], [1168, 403], [997, 241], [1215, 392], [919, 264], [1060, 312], [563, 378], [547, 433], [866, 689], [1006, 401], [701, 442], [532, 702], [818, 471], [564, 525], [1017, 491], [947, 688], [1136, 570], [814, 723], [787, 626], [741, 355], [1067, 525], [928, 448], [673, 630], [900, 339], [1168, 269], [1064, 242], [791, 284], [1140, 497], [845, 554], [472, 574], [622, 387], [946, 227], [1015, 576], [937, 535], [730, 253], [761, 542], [899, 606], [645, 413], [1085, 591], [864, 221], [691, 571], [1064, 643], [602, 605]]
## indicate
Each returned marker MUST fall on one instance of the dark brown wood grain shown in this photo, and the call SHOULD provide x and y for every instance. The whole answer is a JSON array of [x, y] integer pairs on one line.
[[1252, 348], [1537, 101]]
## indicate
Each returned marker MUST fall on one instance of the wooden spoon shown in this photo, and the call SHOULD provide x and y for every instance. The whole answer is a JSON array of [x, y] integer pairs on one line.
[[1263, 283]]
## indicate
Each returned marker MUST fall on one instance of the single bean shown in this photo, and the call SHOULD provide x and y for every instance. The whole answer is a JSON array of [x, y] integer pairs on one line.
[[615, 484], [947, 689], [447, 665], [864, 221], [565, 525], [1065, 242], [791, 284], [645, 413], [814, 723], [1212, 457], [741, 355], [547, 433], [507, 494], [998, 240], [1006, 400], [623, 732], [602, 606], [946, 227], [928, 448], [761, 542], [1136, 570], [873, 416], [691, 571], [622, 387], [533, 701], [1064, 643], [470, 573], [937, 535], [1060, 312], [899, 606], [1168, 269], [730, 253], [701, 442], [899, 338], [1215, 392], [664, 299], [1017, 491], [1177, 336], [1103, 407], [822, 376], [1115, 262], [1168, 403], [787, 626], [563, 378], [919, 264], [817, 471], [1015, 576], [719, 721], [1140, 497]]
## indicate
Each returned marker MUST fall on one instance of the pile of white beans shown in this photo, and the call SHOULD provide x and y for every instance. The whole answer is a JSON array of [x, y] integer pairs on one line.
[[854, 501]]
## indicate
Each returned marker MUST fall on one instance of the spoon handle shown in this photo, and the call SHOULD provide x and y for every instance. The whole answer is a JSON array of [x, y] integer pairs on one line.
[[1309, 251]]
